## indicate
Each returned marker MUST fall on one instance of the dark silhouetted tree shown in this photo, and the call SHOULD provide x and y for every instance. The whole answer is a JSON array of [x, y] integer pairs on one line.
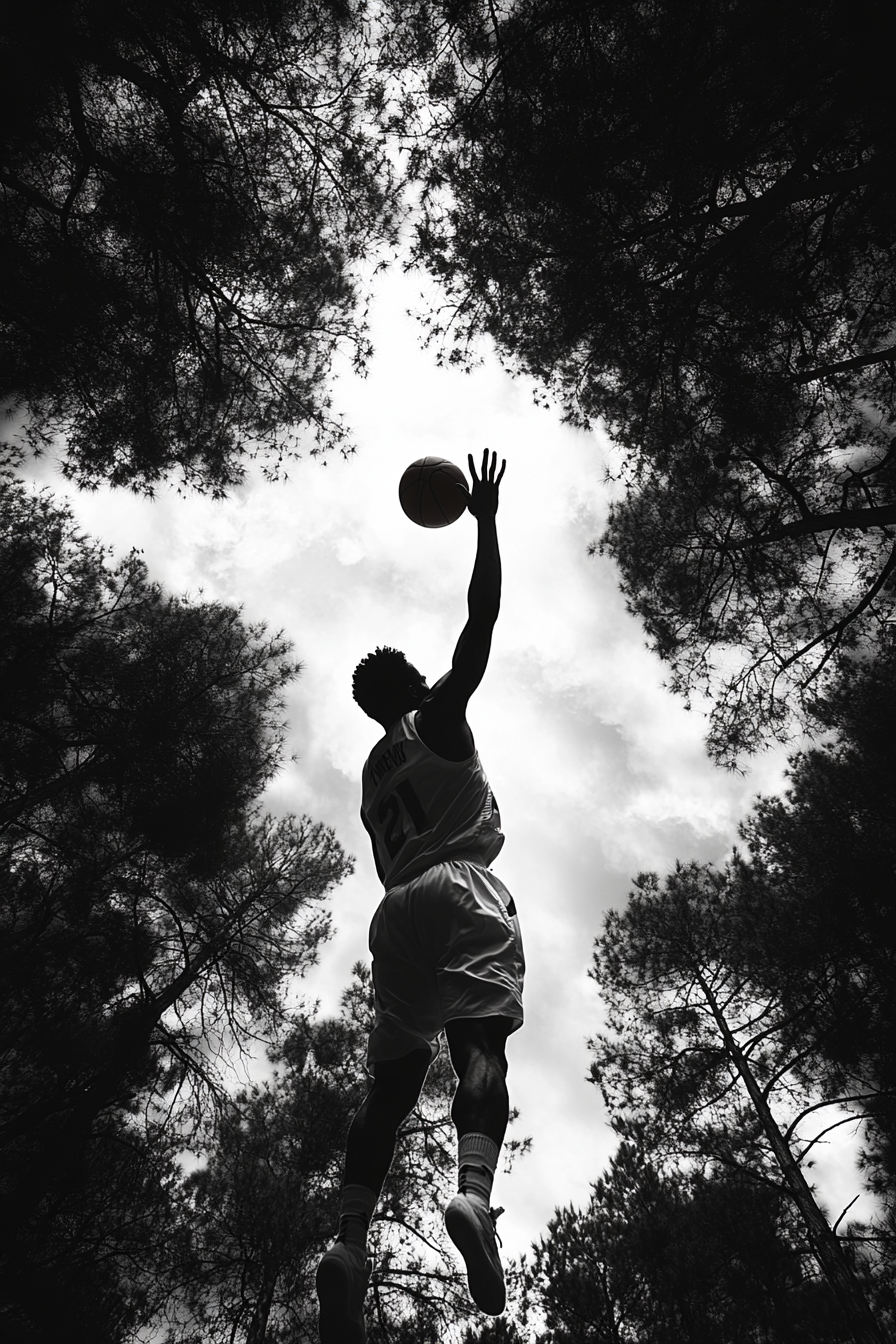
[[93, 1264], [140, 949], [696, 1047], [661, 1257], [814, 902], [682, 220], [265, 1203], [110, 688], [187, 193]]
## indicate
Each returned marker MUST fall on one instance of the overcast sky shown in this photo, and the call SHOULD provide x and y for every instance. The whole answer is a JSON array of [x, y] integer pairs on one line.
[[599, 772]]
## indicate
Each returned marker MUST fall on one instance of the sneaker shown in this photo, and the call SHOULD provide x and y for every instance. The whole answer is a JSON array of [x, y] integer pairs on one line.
[[341, 1284], [472, 1229]]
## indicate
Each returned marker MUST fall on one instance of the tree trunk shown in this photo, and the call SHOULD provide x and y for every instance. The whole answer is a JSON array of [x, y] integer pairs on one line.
[[259, 1323], [836, 1269], [65, 1120]]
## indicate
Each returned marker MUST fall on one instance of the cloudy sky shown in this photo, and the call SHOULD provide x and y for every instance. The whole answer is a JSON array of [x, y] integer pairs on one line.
[[600, 773]]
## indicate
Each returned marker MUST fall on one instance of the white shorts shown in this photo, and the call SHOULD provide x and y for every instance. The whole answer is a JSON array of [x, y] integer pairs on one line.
[[445, 945]]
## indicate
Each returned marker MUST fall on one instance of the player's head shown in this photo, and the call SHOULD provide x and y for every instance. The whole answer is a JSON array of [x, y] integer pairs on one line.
[[386, 685]]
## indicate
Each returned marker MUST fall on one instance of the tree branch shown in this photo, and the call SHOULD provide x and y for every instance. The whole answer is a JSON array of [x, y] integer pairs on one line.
[[820, 1106], [836, 1125], [839, 626], [842, 365], [882, 516], [792, 187], [29, 193]]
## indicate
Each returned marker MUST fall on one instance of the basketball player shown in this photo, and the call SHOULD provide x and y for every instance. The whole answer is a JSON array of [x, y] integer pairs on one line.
[[445, 943]]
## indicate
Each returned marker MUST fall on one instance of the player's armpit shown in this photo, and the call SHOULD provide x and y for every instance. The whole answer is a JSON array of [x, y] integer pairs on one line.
[[442, 718], [450, 694], [442, 725]]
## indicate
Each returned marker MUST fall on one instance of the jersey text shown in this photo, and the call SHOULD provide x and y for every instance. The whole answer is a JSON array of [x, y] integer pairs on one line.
[[391, 757]]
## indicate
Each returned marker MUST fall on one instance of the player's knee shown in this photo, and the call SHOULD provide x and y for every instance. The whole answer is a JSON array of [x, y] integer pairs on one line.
[[478, 1041], [397, 1085]]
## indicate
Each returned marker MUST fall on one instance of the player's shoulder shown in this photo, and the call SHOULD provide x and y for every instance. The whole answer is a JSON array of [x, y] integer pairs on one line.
[[445, 696], [441, 722]]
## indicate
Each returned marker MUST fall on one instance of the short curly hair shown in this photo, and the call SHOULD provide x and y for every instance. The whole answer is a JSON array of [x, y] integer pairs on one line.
[[382, 675]]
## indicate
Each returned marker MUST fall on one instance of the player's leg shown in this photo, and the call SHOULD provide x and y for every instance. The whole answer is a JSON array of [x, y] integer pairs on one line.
[[481, 1103], [343, 1272], [479, 1111], [370, 1146]]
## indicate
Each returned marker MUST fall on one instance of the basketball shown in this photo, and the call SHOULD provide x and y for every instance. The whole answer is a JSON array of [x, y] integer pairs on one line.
[[428, 492]]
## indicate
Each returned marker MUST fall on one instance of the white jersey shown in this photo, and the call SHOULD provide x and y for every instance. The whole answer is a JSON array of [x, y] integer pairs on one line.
[[419, 808]]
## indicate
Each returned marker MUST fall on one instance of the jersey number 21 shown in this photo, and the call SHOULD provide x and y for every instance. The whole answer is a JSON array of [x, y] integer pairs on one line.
[[389, 814]]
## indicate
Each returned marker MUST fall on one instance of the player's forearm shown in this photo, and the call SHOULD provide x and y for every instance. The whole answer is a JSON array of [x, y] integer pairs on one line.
[[484, 596]]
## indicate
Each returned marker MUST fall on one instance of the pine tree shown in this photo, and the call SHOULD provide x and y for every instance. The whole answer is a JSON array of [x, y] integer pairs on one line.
[[151, 913], [662, 1254], [188, 191], [693, 1044], [814, 897], [111, 688], [680, 219], [265, 1202], [92, 1264]]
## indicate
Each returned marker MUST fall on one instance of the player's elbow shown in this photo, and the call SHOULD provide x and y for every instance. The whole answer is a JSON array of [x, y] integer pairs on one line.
[[471, 657]]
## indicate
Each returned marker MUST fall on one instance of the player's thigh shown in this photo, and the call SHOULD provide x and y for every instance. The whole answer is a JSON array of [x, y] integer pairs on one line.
[[481, 967], [471, 1036], [399, 1082]]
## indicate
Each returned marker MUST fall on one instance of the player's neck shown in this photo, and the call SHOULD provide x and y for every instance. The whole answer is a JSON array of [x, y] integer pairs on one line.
[[388, 721]]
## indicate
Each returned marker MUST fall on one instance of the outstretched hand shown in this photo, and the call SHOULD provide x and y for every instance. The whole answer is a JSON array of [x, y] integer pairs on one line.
[[482, 500]]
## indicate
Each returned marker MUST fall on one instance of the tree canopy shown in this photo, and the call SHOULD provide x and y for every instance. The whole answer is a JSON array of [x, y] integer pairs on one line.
[[750, 1011], [264, 1204], [680, 219], [187, 193], [151, 914], [815, 898], [113, 689], [664, 1255]]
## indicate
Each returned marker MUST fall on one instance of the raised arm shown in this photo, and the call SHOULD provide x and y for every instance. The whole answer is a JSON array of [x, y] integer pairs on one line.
[[441, 719], [484, 595]]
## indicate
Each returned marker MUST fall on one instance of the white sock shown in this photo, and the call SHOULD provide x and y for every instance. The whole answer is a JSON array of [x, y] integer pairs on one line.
[[358, 1203], [477, 1158]]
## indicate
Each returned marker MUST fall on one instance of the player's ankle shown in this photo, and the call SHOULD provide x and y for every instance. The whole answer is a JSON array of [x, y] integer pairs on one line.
[[479, 1201], [358, 1203], [477, 1157]]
